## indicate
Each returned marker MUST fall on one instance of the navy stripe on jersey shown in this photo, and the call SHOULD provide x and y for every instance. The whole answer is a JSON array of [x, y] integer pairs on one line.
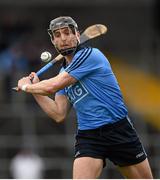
[[79, 57], [79, 60], [64, 62]]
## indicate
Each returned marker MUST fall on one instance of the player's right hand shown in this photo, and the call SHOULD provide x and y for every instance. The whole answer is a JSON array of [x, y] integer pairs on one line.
[[34, 78]]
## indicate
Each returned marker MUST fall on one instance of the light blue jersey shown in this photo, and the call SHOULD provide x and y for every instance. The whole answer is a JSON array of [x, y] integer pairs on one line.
[[96, 96]]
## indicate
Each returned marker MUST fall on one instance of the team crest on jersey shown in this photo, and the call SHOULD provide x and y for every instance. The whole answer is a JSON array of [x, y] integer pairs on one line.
[[76, 92]]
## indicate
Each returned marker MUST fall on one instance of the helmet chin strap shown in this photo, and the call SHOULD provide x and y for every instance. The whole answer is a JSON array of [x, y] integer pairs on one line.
[[67, 51]]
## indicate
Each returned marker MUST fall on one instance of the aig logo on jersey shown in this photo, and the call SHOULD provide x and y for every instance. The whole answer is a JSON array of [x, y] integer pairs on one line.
[[76, 92]]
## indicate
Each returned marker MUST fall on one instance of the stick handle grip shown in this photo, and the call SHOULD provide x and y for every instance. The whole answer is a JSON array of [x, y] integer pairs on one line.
[[50, 64], [43, 69], [40, 72]]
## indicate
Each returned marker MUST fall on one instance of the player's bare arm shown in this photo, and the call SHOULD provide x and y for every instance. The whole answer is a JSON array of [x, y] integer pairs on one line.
[[56, 109], [46, 87]]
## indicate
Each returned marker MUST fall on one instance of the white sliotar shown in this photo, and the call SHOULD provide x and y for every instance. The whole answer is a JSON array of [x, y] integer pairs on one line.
[[46, 56]]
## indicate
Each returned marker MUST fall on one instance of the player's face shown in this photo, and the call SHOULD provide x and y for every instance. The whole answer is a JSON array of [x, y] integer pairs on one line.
[[64, 38]]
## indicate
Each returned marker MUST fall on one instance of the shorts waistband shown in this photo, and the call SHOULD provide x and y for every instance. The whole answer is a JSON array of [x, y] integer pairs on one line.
[[108, 126]]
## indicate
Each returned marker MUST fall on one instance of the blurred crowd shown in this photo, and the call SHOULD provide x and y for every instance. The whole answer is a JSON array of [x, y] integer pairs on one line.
[[20, 48]]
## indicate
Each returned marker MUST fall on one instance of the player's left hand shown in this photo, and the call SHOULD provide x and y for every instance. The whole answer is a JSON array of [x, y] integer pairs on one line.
[[23, 81]]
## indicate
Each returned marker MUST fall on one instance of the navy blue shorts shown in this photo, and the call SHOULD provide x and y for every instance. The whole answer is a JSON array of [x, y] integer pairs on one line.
[[117, 142]]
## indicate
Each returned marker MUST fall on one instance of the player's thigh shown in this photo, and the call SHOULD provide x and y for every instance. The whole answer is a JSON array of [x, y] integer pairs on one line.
[[137, 171], [87, 168]]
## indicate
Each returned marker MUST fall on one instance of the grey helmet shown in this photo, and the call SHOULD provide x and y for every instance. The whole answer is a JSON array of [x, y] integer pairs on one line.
[[61, 22]]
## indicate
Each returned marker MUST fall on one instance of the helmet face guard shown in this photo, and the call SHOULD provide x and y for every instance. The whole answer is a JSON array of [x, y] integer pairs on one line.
[[62, 22]]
